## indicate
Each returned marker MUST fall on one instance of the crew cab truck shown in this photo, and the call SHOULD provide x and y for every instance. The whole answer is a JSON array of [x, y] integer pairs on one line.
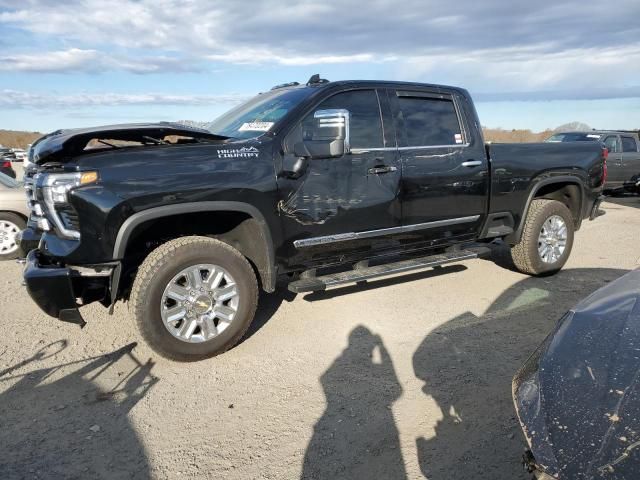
[[315, 184]]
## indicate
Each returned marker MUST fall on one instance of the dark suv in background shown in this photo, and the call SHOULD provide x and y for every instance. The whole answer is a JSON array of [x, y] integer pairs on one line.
[[624, 155]]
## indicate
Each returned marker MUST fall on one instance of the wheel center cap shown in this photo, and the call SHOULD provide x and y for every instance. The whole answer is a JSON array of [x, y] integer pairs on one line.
[[202, 304]]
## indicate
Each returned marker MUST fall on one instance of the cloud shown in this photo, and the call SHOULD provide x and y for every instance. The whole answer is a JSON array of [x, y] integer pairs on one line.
[[333, 28], [88, 61], [16, 99], [557, 49]]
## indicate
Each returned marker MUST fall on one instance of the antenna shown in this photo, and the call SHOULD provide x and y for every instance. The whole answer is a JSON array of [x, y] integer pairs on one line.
[[315, 80]]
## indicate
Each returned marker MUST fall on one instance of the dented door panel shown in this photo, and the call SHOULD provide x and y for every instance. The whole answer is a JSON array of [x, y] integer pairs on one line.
[[337, 196]]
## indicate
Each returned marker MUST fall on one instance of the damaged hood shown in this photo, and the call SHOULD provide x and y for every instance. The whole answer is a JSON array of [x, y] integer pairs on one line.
[[61, 145], [578, 396]]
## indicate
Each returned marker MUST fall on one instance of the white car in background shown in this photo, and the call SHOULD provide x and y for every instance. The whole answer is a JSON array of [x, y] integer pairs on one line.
[[13, 215], [21, 155]]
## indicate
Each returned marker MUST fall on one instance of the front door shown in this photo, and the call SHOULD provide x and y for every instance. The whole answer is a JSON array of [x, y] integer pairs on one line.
[[339, 207], [445, 170]]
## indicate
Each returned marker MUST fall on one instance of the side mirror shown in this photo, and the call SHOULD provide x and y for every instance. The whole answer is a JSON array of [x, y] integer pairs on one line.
[[327, 136]]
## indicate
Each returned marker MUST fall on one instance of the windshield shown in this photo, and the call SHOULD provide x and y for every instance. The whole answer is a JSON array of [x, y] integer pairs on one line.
[[574, 137], [7, 181], [258, 115]]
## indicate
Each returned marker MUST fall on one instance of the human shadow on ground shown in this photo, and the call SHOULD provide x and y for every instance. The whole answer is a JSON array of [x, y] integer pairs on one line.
[[467, 365], [356, 437], [61, 422]]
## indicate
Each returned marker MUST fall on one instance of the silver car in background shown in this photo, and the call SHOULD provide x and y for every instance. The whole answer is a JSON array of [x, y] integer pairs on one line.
[[13, 215]]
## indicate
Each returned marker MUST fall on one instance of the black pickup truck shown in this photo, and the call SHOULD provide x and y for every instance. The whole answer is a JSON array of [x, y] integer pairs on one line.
[[317, 185]]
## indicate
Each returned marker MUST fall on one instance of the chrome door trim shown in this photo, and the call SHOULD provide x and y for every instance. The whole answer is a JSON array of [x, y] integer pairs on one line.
[[358, 151], [343, 237]]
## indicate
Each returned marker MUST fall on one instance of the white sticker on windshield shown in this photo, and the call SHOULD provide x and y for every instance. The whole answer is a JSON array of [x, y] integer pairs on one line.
[[458, 138], [256, 127], [593, 136]]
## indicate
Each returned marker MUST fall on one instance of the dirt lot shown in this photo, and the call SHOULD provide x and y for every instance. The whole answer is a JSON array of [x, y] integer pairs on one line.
[[408, 377]]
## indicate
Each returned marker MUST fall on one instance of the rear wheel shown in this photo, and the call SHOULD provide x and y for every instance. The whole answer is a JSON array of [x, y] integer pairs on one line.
[[547, 238], [193, 298], [10, 225]]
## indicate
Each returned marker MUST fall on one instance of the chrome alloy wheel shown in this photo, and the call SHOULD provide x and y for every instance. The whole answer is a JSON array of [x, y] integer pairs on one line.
[[552, 239], [199, 303], [8, 232]]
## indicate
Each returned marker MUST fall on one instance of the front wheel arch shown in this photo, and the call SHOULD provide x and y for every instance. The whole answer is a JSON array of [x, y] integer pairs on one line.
[[260, 250]]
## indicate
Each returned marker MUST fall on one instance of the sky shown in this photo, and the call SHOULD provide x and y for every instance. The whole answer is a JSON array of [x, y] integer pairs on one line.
[[531, 65]]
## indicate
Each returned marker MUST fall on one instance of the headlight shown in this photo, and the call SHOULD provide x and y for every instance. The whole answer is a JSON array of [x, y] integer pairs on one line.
[[55, 190], [57, 185]]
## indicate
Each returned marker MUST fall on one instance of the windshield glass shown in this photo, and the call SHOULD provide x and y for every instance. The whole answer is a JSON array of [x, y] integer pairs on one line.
[[574, 137], [7, 181], [256, 116]]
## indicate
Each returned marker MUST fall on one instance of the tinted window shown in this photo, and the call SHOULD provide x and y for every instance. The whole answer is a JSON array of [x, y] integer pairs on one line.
[[430, 121], [365, 127], [574, 137], [611, 143], [629, 144]]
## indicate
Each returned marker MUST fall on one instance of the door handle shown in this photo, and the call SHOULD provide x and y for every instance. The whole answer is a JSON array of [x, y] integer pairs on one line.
[[382, 169], [471, 163]]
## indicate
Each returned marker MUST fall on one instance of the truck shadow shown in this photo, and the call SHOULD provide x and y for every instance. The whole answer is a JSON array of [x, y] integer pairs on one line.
[[268, 305], [356, 437], [61, 422], [467, 365], [622, 200]]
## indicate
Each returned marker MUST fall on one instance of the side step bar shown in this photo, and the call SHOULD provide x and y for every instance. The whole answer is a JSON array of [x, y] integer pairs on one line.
[[313, 283]]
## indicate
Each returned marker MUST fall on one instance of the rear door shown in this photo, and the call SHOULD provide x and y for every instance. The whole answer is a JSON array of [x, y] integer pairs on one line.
[[630, 157], [445, 170], [615, 167]]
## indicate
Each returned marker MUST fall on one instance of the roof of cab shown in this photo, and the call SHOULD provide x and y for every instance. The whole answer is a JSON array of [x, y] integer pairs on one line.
[[371, 84]]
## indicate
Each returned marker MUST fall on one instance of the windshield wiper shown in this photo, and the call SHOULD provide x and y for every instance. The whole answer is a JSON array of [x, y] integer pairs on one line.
[[157, 141], [108, 144]]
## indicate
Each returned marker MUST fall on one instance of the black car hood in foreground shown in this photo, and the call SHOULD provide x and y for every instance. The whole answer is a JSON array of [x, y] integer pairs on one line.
[[64, 144], [578, 396]]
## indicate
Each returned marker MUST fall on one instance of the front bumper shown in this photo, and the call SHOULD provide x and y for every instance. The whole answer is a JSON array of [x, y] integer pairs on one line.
[[27, 240], [52, 289], [59, 291]]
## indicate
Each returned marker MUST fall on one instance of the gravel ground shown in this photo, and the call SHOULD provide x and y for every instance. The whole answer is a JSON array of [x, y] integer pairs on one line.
[[407, 377]]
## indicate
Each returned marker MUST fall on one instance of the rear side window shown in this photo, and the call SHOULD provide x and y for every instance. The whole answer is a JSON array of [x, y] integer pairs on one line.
[[430, 121], [629, 144], [612, 144]]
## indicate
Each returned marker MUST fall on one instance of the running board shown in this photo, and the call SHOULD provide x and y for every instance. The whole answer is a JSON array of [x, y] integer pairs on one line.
[[358, 274]]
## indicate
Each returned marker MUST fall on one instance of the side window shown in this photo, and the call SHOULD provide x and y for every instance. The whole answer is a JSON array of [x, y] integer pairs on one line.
[[611, 143], [629, 144], [430, 121], [365, 126]]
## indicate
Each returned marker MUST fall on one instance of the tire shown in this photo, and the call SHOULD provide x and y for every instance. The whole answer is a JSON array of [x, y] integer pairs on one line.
[[161, 272], [10, 225], [526, 255]]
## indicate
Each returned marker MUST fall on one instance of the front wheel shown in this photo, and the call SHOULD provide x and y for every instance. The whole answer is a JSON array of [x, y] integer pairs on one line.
[[547, 238], [193, 298]]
